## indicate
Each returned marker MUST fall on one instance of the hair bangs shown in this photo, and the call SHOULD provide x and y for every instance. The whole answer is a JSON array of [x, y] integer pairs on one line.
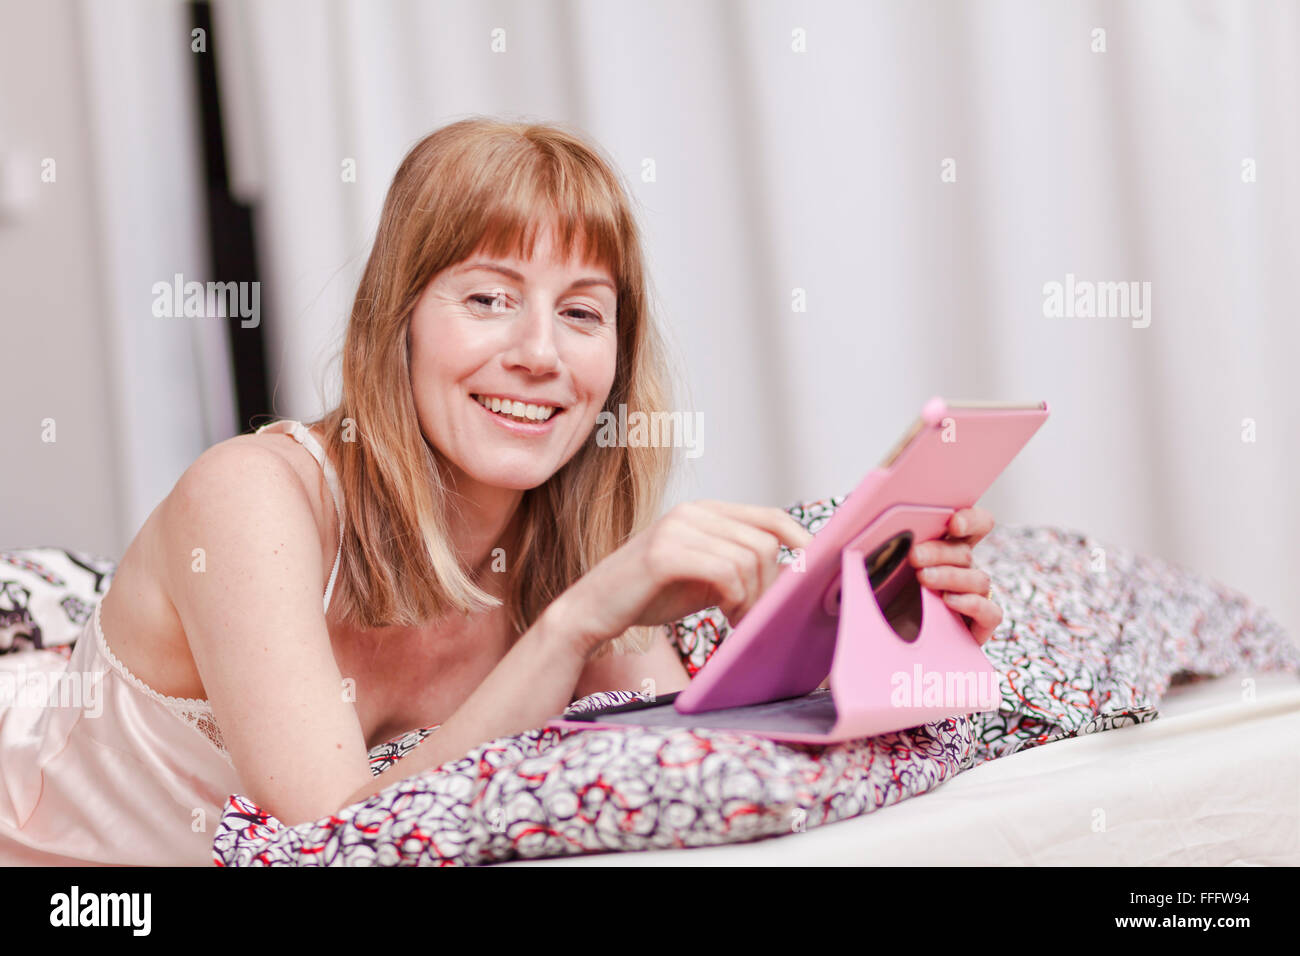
[[547, 190]]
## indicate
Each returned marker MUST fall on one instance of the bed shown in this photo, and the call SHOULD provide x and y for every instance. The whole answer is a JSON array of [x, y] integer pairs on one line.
[[1214, 781]]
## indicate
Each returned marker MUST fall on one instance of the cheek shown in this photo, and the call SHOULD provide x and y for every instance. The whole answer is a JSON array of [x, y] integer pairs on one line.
[[417, 341], [435, 344], [600, 369]]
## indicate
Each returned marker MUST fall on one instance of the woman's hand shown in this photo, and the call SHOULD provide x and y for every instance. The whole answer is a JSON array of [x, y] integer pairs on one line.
[[946, 567], [700, 554]]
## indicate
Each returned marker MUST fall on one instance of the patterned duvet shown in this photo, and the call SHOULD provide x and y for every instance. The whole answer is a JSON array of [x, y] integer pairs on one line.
[[1091, 639]]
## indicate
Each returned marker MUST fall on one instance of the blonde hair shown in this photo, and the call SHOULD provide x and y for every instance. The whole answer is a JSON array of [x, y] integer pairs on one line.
[[486, 185]]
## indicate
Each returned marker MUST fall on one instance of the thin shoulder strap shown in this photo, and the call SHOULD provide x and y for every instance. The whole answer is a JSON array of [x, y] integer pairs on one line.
[[305, 438]]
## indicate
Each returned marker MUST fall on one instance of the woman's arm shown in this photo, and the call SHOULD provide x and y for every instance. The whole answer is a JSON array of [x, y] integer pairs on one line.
[[660, 663], [698, 555], [251, 607], [252, 612], [529, 686], [256, 627]]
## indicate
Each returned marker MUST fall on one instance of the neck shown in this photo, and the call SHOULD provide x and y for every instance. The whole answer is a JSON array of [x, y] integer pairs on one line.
[[486, 521]]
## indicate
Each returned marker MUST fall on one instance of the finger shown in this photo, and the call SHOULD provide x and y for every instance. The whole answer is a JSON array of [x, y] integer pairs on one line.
[[764, 545], [742, 564], [959, 580], [970, 524], [726, 588], [983, 630], [929, 553], [773, 520], [984, 614]]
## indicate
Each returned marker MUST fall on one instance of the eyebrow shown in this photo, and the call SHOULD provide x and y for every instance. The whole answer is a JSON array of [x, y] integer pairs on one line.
[[518, 276]]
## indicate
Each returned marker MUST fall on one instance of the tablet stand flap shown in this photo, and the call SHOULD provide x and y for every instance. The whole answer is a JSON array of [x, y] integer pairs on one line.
[[883, 679]]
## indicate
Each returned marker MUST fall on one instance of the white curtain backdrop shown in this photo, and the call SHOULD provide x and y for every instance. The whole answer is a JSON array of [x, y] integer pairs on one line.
[[172, 394], [800, 151]]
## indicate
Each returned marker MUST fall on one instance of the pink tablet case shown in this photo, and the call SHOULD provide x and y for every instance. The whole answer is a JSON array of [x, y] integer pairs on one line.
[[764, 677]]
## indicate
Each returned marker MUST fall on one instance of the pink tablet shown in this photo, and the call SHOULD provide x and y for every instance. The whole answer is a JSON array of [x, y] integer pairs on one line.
[[823, 614]]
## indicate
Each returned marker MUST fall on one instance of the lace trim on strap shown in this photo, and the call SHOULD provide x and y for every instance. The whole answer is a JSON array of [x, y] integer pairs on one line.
[[192, 710]]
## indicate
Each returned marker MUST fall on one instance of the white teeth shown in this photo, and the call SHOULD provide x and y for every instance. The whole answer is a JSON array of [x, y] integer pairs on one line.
[[513, 409]]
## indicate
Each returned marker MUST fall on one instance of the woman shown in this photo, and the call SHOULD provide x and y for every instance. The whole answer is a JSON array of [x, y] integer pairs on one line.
[[483, 560]]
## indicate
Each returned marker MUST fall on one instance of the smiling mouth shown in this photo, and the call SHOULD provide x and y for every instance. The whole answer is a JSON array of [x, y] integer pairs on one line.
[[518, 411]]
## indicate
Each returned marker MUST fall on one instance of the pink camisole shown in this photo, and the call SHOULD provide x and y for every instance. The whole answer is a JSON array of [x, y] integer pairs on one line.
[[96, 768]]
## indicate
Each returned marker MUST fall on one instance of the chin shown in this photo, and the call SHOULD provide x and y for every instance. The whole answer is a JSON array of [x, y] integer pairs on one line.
[[512, 479]]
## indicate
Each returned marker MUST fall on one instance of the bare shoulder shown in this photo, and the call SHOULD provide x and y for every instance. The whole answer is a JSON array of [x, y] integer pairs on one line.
[[245, 489], [236, 473], [244, 507], [272, 466], [262, 451]]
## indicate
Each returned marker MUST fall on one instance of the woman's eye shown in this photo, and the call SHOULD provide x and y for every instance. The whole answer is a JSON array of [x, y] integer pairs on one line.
[[585, 315], [495, 302]]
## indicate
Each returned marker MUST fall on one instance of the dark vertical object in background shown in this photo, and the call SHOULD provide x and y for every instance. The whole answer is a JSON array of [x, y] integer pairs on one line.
[[230, 233]]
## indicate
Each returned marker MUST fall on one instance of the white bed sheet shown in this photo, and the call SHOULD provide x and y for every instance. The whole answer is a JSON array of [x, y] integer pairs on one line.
[[1214, 780]]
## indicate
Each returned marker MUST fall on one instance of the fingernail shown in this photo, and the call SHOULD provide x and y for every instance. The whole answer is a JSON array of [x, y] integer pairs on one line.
[[959, 526]]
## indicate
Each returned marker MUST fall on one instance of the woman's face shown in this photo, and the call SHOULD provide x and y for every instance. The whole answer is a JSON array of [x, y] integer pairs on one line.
[[539, 335]]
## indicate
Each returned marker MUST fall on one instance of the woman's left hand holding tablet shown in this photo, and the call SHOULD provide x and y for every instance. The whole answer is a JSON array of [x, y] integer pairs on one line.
[[946, 566]]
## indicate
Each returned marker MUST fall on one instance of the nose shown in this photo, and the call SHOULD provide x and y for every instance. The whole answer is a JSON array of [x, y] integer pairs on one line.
[[532, 344]]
